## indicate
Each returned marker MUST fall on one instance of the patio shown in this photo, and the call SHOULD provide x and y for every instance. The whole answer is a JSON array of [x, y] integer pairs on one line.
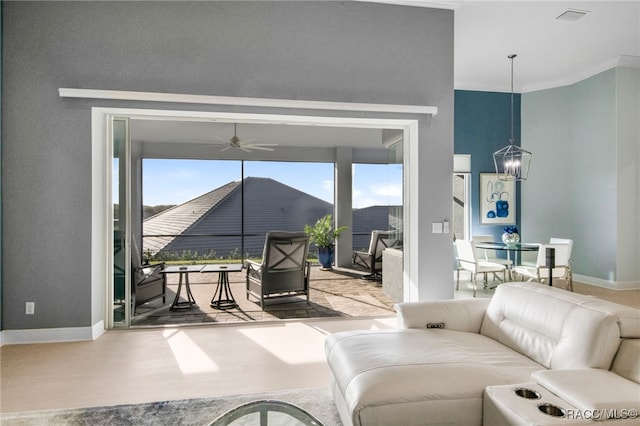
[[334, 293]]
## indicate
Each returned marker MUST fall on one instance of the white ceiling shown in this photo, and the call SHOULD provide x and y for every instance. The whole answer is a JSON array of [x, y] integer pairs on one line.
[[551, 53], [159, 131]]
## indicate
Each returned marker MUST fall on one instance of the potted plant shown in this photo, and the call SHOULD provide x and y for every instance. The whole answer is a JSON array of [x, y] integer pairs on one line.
[[323, 235]]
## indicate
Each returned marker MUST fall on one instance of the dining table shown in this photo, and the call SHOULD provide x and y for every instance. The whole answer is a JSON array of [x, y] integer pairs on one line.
[[509, 248]]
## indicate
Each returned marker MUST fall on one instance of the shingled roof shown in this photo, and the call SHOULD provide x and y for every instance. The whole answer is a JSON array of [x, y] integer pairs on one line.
[[178, 219], [211, 224]]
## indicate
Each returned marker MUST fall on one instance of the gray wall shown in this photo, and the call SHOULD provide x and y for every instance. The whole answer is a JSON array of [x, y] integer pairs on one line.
[[584, 176], [349, 52], [1, 240]]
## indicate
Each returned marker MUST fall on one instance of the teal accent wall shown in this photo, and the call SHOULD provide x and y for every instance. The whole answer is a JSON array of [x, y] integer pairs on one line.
[[482, 125]]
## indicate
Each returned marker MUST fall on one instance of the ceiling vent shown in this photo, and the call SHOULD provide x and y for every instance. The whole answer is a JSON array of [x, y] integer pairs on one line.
[[572, 15]]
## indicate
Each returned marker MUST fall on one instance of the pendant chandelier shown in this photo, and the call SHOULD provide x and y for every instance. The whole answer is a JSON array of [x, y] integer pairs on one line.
[[512, 162]]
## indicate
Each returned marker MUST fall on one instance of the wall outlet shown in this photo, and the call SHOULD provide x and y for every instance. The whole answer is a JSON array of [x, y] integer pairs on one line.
[[30, 308]]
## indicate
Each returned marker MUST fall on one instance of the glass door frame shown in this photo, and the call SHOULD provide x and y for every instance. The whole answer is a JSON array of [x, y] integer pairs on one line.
[[102, 223], [124, 219]]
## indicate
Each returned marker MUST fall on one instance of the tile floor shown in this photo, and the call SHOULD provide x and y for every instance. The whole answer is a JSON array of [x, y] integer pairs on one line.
[[334, 293]]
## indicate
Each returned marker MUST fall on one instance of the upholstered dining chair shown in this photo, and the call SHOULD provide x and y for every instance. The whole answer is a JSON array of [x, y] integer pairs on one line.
[[540, 272], [372, 258], [284, 269], [468, 261]]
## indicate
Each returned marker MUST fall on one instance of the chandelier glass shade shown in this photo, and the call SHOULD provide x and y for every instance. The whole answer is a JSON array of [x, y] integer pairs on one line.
[[512, 162]]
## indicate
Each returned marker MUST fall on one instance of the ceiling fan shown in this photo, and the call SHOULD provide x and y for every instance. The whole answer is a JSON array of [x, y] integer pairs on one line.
[[245, 145]]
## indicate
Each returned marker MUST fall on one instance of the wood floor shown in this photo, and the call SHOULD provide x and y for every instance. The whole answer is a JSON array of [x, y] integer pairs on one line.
[[164, 363]]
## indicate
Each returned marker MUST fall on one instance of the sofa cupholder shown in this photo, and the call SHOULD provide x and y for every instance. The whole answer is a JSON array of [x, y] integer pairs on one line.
[[527, 393], [551, 410]]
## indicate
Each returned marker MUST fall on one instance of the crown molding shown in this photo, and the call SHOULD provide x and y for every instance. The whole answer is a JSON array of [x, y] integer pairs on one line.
[[448, 5], [619, 61]]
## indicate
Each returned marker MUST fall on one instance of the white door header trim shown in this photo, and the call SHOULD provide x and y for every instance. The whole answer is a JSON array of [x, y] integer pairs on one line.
[[241, 101]]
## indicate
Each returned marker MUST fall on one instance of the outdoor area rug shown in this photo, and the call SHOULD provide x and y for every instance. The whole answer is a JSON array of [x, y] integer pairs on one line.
[[202, 411]]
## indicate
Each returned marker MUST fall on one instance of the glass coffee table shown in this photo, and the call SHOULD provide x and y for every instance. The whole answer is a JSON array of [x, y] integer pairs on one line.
[[266, 412]]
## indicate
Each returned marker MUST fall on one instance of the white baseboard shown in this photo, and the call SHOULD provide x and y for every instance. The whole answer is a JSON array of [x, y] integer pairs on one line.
[[611, 285], [51, 335]]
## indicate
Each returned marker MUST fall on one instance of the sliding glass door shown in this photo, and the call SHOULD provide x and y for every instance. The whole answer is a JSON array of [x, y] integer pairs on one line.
[[119, 297]]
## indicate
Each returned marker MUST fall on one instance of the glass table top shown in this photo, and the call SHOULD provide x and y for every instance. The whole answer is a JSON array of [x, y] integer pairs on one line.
[[503, 246], [266, 413]]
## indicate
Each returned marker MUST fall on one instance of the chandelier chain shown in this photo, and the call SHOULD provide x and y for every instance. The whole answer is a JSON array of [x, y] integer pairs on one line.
[[512, 140]]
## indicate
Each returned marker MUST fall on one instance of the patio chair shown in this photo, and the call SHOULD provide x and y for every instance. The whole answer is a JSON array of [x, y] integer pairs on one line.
[[284, 269], [372, 258], [147, 281]]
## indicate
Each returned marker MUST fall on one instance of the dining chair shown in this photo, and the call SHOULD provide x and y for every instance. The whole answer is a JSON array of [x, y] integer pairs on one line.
[[488, 254], [468, 261], [540, 272]]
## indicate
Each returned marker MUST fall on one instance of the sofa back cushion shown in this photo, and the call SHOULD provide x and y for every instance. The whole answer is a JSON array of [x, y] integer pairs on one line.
[[551, 327], [628, 317]]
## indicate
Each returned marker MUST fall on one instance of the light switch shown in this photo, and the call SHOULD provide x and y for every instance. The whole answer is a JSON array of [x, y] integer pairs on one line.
[[436, 227], [445, 226]]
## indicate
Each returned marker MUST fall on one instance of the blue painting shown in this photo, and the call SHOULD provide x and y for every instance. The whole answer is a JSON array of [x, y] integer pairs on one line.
[[497, 200]]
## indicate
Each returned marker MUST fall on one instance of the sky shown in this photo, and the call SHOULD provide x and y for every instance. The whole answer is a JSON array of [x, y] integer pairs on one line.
[[178, 181]]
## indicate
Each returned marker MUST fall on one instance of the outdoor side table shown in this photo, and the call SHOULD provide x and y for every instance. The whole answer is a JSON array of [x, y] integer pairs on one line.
[[176, 305], [218, 302]]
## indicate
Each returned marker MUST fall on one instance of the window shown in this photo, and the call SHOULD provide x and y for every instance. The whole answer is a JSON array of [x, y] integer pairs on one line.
[[207, 210]]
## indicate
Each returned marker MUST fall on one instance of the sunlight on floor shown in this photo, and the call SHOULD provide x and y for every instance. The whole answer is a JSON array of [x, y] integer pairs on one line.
[[190, 357], [292, 343]]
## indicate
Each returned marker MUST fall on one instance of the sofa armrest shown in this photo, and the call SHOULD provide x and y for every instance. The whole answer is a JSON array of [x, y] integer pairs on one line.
[[597, 391], [460, 315]]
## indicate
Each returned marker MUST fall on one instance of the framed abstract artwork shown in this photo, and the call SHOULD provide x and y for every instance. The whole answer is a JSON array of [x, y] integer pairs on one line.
[[497, 200]]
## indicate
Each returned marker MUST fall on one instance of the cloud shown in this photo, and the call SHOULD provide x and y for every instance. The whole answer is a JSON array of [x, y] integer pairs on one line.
[[327, 186], [388, 190]]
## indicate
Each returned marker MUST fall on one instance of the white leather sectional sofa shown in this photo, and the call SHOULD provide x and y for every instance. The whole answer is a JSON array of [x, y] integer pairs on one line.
[[459, 362]]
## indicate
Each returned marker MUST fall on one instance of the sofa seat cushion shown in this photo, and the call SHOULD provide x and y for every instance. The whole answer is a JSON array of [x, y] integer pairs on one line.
[[401, 376]]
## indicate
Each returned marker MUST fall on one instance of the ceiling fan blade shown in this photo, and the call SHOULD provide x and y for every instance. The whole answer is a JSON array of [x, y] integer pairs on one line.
[[242, 148], [218, 138], [209, 141], [225, 148], [261, 148]]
